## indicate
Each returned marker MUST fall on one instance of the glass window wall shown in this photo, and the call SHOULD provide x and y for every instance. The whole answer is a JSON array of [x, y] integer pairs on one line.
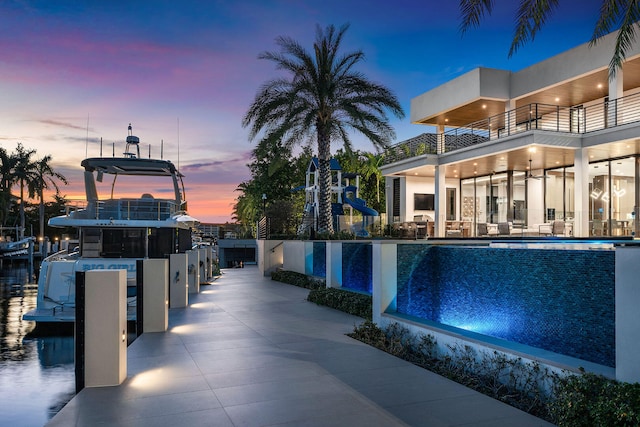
[[612, 197]]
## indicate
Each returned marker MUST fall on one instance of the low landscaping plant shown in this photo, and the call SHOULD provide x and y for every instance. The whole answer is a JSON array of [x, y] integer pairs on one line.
[[568, 400], [343, 300], [588, 400], [298, 279]]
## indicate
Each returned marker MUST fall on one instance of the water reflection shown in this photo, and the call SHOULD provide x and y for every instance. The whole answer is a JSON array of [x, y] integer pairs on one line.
[[36, 374]]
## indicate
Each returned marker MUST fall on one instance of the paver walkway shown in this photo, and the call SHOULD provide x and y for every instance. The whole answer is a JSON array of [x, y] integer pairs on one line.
[[249, 351]]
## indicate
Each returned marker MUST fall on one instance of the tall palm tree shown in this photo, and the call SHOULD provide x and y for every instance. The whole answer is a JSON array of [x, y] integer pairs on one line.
[[24, 174], [532, 15], [322, 97], [46, 179]]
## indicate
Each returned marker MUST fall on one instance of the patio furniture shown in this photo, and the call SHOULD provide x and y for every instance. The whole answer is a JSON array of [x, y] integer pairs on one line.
[[483, 230], [504, 229], [557, 228], [454, 230]]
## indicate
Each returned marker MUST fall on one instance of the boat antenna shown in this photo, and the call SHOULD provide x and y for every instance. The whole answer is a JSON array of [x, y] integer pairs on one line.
[[178, 143], [149, 150], [161, 149], [100, 146], [113, 149]]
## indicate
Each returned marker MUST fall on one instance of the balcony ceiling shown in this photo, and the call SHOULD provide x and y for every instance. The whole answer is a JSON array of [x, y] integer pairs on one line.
[[570, 93], [544, 157]]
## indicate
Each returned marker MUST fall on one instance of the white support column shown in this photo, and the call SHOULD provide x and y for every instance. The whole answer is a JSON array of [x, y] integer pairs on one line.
[[202, 259], [105, 329], [384, 265], [616, 91], [178, 281], [627, 300], [210, 254], [155, 295], [441, 201], [193, 258], [388, 186], [510, 116], [440, 142], [581, 193]]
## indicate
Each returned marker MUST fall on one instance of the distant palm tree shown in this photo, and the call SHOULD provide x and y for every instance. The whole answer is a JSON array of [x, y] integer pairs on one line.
[[322, 98], [371, 167], [24, 174], [7, 164], [532, 15], [46, 179]]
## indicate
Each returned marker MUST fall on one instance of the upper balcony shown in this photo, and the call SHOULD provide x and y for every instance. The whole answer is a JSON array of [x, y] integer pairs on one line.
[[576, 120]]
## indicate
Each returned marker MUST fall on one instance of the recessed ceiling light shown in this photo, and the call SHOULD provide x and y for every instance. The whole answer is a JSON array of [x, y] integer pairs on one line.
[[415, 173], [532, 149], [475, 164], [475, 172], [484, 105], [599, 85], [557, 99], [557, 163], [446, 120]]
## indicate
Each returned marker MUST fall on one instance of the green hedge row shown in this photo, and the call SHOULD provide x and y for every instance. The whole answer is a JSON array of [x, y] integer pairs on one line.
[[298, 279], [343, 300]]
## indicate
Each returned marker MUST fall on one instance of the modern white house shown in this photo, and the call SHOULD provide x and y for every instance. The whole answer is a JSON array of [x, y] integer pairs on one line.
[[550, 149]]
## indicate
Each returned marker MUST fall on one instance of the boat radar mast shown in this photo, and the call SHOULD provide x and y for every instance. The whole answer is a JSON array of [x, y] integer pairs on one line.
[[132, 141]]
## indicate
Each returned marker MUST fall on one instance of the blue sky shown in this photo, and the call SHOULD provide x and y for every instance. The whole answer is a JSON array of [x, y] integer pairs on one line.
[[184, 72]]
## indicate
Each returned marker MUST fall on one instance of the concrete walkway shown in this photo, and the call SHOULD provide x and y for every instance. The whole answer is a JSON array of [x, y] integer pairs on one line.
[[253, 352]]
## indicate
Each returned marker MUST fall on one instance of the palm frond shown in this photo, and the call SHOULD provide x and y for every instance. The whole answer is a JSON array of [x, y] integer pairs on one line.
[[530, 17], [472, 11]]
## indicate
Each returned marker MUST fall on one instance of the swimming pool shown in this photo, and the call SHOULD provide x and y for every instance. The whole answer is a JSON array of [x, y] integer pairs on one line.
[[552, 297]]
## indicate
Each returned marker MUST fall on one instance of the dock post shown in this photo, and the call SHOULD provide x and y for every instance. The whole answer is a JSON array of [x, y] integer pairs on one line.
[[194, 271], [209, 254], [101, 328], [155, 295], [202, 255], [178, 281]]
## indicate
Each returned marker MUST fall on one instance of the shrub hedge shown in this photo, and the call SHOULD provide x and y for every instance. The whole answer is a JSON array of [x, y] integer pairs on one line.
[[343, 300]]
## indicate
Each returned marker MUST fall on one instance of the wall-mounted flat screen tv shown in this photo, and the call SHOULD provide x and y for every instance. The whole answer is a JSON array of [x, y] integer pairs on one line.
[[423, 202]]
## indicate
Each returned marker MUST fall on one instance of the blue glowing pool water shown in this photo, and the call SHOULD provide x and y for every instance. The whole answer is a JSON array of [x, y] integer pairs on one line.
[[356, 267], [557, 300]]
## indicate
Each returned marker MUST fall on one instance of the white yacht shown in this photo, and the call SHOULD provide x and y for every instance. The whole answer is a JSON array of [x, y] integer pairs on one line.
[[135, 209]]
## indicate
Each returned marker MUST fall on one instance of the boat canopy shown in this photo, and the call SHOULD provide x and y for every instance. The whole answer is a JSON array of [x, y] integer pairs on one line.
[[130, 166]]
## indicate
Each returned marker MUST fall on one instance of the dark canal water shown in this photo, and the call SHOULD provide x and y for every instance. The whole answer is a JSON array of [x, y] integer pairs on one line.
[[36, 374]]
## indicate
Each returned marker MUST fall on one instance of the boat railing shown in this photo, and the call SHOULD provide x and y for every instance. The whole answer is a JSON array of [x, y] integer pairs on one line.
[[136, 209]]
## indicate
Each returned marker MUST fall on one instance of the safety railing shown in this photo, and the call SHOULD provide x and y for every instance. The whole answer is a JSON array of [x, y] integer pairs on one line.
[[554, 118]]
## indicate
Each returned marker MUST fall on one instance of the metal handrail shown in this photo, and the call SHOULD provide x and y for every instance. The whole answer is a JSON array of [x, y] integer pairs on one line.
[[579, 119]]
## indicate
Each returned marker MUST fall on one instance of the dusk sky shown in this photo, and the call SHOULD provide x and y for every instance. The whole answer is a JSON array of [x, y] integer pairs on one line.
[[185, 72]]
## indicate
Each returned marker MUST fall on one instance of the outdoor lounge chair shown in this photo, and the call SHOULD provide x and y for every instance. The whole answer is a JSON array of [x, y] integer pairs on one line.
[[557, 228], [504, 229]]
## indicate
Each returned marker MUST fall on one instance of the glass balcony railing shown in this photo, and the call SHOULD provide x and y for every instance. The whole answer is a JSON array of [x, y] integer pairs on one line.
[[575, 120]]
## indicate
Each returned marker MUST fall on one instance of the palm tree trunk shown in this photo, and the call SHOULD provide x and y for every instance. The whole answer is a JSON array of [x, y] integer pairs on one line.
[[325, 220], [22, 221], [41, 212]]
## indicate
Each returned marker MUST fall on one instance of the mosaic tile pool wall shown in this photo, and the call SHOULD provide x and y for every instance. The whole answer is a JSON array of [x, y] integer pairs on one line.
[[356, 267], [320, 259], [558, 300]]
